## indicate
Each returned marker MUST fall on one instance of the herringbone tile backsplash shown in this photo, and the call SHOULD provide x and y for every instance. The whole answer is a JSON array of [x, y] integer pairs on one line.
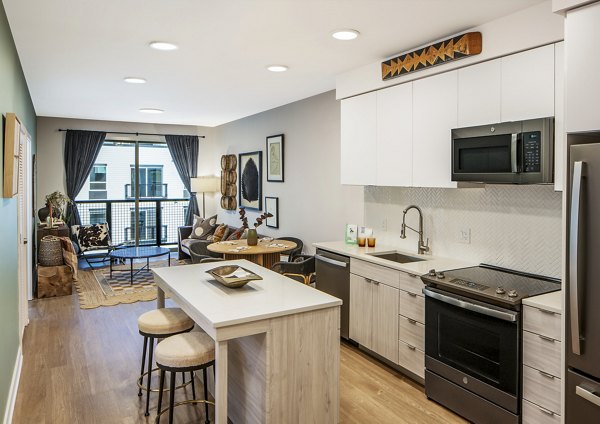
[[517, 227]]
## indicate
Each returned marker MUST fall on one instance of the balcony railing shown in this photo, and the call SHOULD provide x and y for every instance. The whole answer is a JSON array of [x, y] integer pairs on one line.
[[147, 191], [158, 219]]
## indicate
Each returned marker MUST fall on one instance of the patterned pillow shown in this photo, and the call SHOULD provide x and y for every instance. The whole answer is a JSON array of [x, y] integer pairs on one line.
[[91, 237], [236, 235], [219, 233], [203, 228]]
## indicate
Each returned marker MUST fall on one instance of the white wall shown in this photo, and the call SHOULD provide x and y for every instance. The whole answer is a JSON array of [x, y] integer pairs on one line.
[[50, 164], [522, 30], [313, 205], [517, 227]]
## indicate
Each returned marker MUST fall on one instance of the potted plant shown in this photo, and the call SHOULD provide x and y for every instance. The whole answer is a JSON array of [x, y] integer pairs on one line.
[[252, 234], [55, 202]]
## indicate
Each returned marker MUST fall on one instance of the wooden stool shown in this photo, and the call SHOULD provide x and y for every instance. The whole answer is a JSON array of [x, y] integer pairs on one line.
[[158, 324], [182, 353]]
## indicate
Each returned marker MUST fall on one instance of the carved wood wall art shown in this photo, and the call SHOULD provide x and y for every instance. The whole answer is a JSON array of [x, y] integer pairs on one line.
[[228, 182], [454, 48]]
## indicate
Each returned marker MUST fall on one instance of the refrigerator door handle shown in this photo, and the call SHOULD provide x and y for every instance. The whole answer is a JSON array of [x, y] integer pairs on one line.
[[574, 257], [588, 395]]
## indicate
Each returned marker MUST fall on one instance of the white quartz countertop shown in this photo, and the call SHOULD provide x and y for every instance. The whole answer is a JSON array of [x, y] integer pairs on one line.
[[549, 302], [273, 296], [418, 268]]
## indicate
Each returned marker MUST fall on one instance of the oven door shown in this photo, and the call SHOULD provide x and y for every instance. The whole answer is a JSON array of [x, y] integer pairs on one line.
[[486, 158], [474, 345]]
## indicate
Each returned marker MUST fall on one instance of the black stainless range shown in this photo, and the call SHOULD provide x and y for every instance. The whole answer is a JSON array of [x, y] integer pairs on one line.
[[473, 340]]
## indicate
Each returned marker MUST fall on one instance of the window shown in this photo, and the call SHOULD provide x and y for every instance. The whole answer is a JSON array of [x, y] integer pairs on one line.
[[151, 181], [97, 216], [98, 182]]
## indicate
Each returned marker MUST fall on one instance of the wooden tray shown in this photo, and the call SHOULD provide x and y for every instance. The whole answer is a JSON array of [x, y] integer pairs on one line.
[[220, 272]]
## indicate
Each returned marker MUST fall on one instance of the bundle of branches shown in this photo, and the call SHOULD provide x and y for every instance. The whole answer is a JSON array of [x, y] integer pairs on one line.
[[244, 218], [261, 218]]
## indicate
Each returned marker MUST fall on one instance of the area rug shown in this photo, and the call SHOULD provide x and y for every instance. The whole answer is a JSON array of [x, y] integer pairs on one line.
[[96, 288]]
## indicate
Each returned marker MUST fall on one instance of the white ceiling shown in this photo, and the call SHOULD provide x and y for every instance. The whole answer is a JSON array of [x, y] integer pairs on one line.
[[76, 53]]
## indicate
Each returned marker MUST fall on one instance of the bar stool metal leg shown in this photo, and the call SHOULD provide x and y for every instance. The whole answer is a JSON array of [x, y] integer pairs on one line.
[[160, 394], [149, 378], [193, 385], [172, 397], [204, 376], [143, 363]]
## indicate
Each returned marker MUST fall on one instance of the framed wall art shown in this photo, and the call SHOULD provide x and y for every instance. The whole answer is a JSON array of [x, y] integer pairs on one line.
[[12, 144], [275, 158], [250, 180], [272, 206]]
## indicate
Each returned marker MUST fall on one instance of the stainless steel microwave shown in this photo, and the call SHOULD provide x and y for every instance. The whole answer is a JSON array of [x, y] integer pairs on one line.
[[507, 153]]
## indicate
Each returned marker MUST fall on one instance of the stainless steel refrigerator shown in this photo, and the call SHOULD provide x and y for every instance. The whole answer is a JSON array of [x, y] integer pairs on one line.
[[582, 387]]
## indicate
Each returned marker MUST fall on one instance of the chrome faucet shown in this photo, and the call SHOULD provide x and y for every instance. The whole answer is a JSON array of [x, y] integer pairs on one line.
[[423, 247]]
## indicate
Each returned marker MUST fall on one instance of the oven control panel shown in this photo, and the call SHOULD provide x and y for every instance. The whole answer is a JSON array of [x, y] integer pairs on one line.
[[532, 151]]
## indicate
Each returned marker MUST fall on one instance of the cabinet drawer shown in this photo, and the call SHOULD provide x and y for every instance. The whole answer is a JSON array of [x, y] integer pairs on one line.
[[412, 332], [412, 306], [543, 390], [541, 353], [411, 283], [533, 414], [412, 359], [375, 272], [541, 322]]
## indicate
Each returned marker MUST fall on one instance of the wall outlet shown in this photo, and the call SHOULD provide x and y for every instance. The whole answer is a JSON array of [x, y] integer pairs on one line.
[[464, 235], [384, 224]]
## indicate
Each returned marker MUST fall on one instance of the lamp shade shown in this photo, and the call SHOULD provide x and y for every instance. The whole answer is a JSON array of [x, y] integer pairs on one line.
[[205, 184]]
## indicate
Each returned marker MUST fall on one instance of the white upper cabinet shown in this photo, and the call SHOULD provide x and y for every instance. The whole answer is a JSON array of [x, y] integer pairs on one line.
[[560, 136], [359, 140], [479, 94], [434, 116], [394, 136], [528, 84], [582, 32]]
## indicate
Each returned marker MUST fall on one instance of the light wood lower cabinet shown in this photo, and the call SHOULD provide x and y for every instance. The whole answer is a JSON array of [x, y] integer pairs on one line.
[[542, 366], [373, 316], [411, 359], [361, 310], [412, 332]]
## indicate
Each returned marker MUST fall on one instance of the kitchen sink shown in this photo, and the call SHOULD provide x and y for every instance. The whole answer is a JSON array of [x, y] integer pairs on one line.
[[396, 257]]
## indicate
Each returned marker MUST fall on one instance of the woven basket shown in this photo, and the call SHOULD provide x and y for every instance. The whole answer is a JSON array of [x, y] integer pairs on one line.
[[50, 253]]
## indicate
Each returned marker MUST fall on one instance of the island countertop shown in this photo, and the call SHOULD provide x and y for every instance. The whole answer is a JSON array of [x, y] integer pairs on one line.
[[273, 296]]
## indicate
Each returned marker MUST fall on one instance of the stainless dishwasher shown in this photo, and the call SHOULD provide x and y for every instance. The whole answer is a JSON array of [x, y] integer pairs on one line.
[[333, 277]]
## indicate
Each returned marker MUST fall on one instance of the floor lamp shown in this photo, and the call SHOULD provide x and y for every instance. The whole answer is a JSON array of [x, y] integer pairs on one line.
[[205, 185]]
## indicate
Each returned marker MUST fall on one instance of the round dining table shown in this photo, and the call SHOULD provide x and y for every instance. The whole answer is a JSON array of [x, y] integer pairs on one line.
[[265, 253]]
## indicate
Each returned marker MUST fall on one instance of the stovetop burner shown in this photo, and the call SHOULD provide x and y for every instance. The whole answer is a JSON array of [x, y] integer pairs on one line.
[[492, 284]]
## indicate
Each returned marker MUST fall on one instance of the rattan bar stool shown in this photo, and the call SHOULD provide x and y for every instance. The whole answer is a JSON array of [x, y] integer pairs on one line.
[[182, 353], [159, 324]]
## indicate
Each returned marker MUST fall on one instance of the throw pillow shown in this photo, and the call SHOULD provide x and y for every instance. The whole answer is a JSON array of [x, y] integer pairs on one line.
[[201, 230], [198, 220], [219, 233], [91, 236], [236, 235]]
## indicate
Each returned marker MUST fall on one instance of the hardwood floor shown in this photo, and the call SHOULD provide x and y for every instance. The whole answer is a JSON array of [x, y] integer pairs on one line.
[[80, 366]]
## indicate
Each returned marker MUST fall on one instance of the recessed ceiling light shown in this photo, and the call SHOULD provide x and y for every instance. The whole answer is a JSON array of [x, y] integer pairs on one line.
[[151, 110], [345, 34], [135, 80], [277, 68], [162, 45]]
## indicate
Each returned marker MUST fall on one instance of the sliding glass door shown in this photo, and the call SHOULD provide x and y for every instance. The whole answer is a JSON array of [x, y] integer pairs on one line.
[[135, 187]]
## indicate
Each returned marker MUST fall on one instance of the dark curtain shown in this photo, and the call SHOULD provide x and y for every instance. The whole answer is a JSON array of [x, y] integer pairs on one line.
[[184, 151], [81, 151]]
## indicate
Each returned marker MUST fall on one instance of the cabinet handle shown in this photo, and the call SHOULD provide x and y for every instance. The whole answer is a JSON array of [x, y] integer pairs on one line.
[[544, 311], [412, 275], [368, 280], [546, 338], [375, 282], [545, 411], [545, 374], [411, 347], [411, 321], [411, 294]]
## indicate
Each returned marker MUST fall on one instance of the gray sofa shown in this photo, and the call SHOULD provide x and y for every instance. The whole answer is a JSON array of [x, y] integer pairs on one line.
[[187, 246]]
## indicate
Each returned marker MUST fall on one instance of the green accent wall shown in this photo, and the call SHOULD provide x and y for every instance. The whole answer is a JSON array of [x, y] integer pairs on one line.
[[14, 97]]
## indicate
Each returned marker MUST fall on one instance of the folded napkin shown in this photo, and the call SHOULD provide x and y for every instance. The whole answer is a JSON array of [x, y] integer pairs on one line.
[[276, 245], [238, 273], [227, 242]]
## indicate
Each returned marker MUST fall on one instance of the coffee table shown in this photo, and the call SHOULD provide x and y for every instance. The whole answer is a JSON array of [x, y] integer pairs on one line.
[[264, 254], [141, 252]]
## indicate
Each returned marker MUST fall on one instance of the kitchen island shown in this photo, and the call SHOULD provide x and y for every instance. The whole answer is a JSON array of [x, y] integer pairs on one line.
[[277, 343]]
